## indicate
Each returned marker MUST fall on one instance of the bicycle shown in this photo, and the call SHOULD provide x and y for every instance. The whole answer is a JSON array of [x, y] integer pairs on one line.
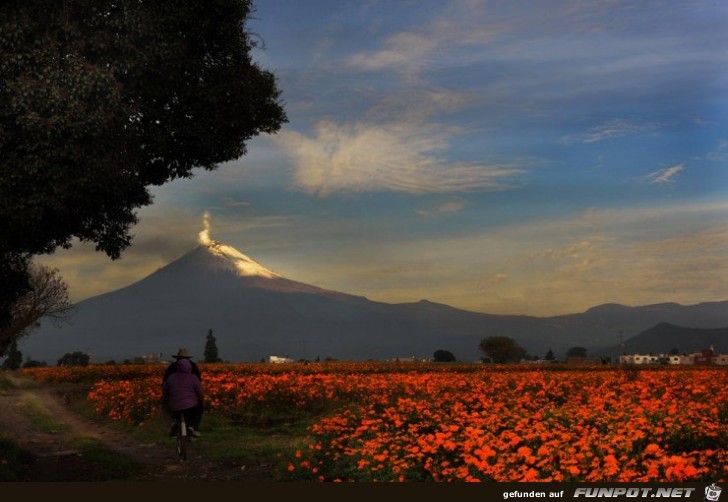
[[183, 437]]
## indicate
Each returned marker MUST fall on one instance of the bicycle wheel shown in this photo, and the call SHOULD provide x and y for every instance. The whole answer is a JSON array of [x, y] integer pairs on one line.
[[182, 447], [182, 439]]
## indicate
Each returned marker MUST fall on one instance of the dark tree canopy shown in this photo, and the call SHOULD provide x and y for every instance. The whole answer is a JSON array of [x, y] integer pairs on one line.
[[77, 358], [15, 280], [13, 358], [443, 356], [32, 363], [99, 100], [210, 353], [576, 352], [47, 299], [502, 349]]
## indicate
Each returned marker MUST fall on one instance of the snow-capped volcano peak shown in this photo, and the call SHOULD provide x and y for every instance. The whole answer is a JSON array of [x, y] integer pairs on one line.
[[243, 265]]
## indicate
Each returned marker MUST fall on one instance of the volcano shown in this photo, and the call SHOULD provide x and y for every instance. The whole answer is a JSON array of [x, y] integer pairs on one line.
[[252, 311], [255, 312]]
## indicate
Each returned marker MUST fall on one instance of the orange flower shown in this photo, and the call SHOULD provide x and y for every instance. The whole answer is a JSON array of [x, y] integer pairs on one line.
[[459, 423]]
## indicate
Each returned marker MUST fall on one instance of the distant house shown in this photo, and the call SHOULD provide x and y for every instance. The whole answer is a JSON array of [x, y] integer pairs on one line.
[[702, 358], [685, 359], [403, 359], [639, 359], [721, 360], [153, 358], [586, 361], [538, 361], [279, 360], [705, 357]]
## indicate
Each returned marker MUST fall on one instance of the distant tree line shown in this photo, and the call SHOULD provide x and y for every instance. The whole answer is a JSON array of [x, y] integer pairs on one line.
[[495, 349]]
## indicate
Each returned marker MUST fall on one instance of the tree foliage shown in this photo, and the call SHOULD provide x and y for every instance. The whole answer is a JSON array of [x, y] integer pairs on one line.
[[576, 352], [14, 358], [74, 359], [100, 100], [210, 354], [15, 281], [443, 356], [47, 299], [502, 349], [32, 363]]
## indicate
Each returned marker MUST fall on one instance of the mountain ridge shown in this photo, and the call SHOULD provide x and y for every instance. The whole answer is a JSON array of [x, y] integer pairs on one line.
[[664, 337], [256, 312]]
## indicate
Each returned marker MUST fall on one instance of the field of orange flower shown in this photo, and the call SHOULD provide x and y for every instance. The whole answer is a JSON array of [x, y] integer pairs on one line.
[[429, 422]]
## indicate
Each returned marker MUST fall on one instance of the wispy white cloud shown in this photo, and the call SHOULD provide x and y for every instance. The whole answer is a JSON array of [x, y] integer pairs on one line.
[[713, 240], [395, 156], [615, 128], [704, 122], [665, 175], [721, 151], [685, 269], [409, 52], [451, 206], [405, 52], [564, 265], [230, 202], [614, 218], [420, 105], [499, 277]]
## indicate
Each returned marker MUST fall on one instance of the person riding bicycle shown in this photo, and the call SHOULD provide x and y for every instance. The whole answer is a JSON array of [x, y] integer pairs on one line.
[[182, 353], [182, 392]]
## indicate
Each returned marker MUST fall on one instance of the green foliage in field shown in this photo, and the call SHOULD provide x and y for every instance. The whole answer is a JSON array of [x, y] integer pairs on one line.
[[259, 440], [5, 384], [107, 464], [14, 462]]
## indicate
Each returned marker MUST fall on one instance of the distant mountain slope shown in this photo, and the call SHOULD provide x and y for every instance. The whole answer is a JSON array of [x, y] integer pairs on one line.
[[664, 337], [255, 312]]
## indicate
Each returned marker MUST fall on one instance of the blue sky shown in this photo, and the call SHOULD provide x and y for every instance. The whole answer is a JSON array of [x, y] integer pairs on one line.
[[514, 157]]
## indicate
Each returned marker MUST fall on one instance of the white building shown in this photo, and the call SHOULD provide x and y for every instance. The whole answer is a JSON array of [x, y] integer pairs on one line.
[[705, 357], [721, 359], [278, 360], [639, 359], [403, 359]]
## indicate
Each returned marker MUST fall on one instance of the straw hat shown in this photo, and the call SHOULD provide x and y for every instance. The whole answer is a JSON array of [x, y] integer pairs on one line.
[[182, 354]]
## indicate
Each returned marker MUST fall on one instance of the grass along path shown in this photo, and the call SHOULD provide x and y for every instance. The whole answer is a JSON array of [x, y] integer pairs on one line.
[[50, 433], [39, 443]]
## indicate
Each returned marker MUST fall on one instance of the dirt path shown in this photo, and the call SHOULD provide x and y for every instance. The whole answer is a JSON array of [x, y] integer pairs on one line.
[[58, 453]]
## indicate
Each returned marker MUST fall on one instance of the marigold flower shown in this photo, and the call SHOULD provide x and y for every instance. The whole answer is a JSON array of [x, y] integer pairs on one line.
[[652, 449]]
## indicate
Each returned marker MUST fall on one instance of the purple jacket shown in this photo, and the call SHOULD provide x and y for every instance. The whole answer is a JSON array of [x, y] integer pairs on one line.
[[182, 390]]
